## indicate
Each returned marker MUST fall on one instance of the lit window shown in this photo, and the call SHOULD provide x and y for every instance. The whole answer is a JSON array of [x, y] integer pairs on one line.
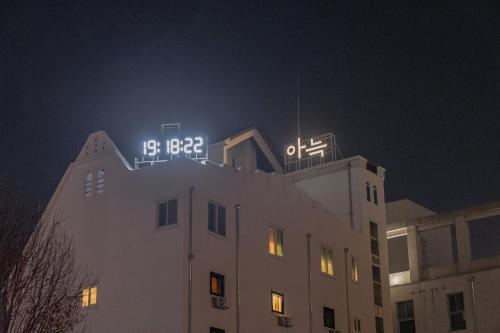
[[277, 302], [375, 195], [89, 297], [368, 196], [216, 284], [327, 261], [357, 325], [217, 219], [88, 184], [275, 241], [456, 311], [328, 317], [354, 269], [100, 181], [167, 212]]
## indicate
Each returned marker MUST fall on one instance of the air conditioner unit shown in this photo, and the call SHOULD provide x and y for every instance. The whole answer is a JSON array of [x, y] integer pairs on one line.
[[219, 302], [285, 321]]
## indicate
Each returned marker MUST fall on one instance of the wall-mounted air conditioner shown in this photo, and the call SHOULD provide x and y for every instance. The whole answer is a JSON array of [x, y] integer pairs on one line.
[[219, 302], [285, 321]]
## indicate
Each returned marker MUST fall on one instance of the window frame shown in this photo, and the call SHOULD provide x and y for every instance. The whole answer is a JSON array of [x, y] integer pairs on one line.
[[217, 206], [354, 269], [276, 229], [368, 192], [86, 298], [99, 181], [282, 296], [221, 279], [166, 201], [326, 250], [375, 195], [455, 311], [325, 309], [357, 324], [377, 321], [88, 184]]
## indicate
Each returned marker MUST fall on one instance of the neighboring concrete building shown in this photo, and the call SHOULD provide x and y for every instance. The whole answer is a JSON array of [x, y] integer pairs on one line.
[[221, 246], [444, 268]]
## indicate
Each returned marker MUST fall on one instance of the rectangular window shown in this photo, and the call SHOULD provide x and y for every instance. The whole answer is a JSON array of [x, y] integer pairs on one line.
[[278, 302], [456, 310], [216, 284], [406, 317], [376, 274], [329, 317], [216, 330], [374, 247], [357, 325], [379, 325], [327, 261], [89, 297], [368, 196], [275, 241], [377, 293], [375, 195], [374, 239], [167, 212], [373, 230], [354, 269], [217, 219]]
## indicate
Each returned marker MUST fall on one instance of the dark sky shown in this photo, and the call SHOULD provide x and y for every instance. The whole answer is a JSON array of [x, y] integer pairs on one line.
[[414, 87]]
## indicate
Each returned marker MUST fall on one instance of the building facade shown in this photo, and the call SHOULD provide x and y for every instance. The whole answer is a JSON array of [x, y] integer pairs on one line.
[[221, 246], [444, 268]]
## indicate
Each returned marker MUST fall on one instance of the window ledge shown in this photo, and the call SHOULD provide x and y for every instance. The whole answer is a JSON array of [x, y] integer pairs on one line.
[[216, 235]]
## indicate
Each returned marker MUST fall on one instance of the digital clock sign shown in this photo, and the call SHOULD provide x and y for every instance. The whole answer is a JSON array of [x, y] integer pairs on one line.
[[175, 147], [171, 145]]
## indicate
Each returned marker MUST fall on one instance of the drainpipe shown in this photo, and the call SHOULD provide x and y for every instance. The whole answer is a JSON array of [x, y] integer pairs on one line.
[[309, 280], [190, 262], [237, 208], [351, 213], [473, 287], [346, 252]]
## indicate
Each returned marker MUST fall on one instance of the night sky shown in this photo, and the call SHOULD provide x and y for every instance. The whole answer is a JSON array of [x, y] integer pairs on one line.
[[414, 87]]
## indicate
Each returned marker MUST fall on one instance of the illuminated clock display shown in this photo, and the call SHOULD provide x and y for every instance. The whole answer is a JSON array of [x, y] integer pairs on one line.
[[188, 146]]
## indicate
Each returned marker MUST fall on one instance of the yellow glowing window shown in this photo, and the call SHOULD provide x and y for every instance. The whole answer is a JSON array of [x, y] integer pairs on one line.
[[354, 269], [89, 296], [216, 284], [275, 241], [327, 261], [277, 302]]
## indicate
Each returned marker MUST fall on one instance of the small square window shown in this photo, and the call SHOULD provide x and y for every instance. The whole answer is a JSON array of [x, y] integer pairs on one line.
[[329, 317], [217, 284], [278, 302], [275, 241], [167, 212], [217, 219]]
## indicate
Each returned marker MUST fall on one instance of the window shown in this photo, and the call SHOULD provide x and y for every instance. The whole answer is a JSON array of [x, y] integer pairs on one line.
[[217, 284], [368, 196], [376, 274], [328, 317], [100, 181], [357, 325], [456, 309], [89, 297], [167, 212], [275, 241], [216, 330], [375, 195], [327, 261], [354, 269], [217, 219], [377, 293], [278, 302], [406, 317], [379, 325], [88, 184], [374, 239]]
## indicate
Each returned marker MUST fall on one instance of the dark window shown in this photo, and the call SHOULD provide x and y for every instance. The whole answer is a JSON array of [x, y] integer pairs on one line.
[[406, 317], [216, 330], [376, 274], [329, 317], [167, 212], [357, 325], [377, 294], [373, 230], [375, 195], [456, 309], [216, 284], [368, 196], [217, 219], [374, 246], [379, 325]]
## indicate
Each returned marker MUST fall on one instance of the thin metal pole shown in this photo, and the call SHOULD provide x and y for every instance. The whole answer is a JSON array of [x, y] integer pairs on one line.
[[346, 251], [237, 207], [473, 285], [309, 281], [298, 105], [351, 213], [190, 261]]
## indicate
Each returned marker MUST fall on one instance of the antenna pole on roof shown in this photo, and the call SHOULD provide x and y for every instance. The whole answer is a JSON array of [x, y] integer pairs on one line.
[[298, 105]]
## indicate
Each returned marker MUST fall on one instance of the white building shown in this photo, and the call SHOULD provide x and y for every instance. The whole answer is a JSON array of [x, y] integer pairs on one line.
[[445, 268], [190, 246]]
